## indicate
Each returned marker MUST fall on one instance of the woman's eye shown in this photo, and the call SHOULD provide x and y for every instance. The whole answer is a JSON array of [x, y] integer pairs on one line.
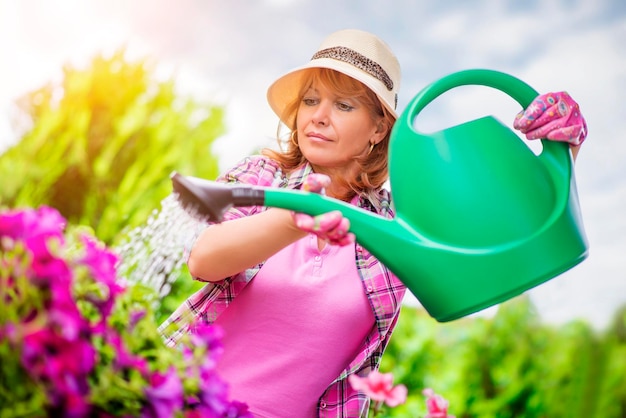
[[309, 101], [344, 106]]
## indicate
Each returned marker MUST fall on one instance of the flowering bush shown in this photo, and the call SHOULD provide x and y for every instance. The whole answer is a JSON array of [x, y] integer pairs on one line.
[[76, 342]]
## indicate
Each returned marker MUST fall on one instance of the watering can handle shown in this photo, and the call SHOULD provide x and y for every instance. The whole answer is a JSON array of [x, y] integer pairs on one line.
[[514, 87]]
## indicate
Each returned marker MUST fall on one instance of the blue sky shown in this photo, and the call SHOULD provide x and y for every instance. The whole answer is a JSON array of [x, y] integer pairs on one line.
[[230, 51]]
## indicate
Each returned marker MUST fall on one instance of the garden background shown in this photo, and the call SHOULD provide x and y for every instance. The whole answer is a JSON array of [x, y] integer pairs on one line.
[[98, 138]]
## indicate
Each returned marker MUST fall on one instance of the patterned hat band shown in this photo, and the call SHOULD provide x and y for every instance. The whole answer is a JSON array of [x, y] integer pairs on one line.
[[352, 57]]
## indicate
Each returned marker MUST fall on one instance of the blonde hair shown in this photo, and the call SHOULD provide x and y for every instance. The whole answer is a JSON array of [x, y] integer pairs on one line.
[[374, 166]]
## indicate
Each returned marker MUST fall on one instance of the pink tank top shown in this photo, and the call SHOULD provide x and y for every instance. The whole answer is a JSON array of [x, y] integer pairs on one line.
[[293, 329]]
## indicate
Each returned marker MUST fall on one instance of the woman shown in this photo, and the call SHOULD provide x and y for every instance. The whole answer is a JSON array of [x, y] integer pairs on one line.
[[302, 305]]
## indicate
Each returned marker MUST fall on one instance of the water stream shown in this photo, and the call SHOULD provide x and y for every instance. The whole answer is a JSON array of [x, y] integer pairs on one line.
[[153, 253]]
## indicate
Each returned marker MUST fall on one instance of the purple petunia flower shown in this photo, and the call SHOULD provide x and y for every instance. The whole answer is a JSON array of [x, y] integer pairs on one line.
[[101, 263], [208, 336], [164, 395], [31, 225], [62, 365], [45, 270], [44, 221], [238, 409], [123, 358], [11, 224]]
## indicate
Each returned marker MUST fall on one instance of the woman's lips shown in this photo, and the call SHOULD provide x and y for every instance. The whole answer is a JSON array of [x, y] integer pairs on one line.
[[317, 137]]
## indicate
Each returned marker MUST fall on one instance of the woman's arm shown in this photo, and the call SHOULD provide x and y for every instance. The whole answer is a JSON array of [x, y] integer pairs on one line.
[[247, 237], [233, 246]]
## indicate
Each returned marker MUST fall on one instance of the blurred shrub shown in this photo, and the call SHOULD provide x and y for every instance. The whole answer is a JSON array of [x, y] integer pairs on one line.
[[99, 145], [511, 365]]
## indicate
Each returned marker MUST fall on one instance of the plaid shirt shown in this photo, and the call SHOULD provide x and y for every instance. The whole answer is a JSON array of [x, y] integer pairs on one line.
[[383, 289]]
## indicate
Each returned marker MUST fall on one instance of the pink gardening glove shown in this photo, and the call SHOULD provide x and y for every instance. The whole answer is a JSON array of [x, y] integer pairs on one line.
[[555, 116], [331, 226]]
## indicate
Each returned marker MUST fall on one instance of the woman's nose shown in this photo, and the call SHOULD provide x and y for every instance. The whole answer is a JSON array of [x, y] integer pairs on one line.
[[321, 114]]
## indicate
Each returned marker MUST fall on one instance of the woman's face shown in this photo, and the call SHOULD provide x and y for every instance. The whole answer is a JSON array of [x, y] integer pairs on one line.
[[333, 130]]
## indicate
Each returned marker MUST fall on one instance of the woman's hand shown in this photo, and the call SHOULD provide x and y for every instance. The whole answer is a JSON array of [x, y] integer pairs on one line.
[[332, 226], [554, 116]]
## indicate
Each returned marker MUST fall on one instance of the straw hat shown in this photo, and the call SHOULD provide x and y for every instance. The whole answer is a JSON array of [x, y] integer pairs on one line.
[[356, 53]]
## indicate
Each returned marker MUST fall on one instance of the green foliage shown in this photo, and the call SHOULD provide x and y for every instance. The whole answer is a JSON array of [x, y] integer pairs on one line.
[[103, 142], [511, 365], [123, 392], [182, 287]]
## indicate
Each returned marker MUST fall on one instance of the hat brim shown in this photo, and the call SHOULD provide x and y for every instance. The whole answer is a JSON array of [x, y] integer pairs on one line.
[[284, 91]]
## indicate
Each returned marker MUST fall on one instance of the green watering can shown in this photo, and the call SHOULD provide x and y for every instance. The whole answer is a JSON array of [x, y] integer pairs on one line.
[[479, 217]]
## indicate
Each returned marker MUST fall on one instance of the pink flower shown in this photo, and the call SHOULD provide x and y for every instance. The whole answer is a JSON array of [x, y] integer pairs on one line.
[[45, 221], [11, 224], [436, 405], [101, 263], [28, 223], [238, 409], [164, 395], [208, 337], [61, 366], [379, 387], [124, 359]]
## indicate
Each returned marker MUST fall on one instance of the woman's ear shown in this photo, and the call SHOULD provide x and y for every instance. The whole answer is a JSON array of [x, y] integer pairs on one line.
[[382, 129]]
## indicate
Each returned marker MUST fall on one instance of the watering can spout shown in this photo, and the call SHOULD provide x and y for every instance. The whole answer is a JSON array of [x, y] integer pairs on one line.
[[209, 200], [479, 217]]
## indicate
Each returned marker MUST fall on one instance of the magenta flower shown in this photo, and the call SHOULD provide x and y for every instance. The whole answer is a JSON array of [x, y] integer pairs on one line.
[[44, 221], [65, 318], [40, 247], [123, 358], [379, 387], [101, 264], [237, 410], [135, 317], [26, 224], [436, 405], [11, 224], [164, 395], [45, 270], [213, 392], [208, 336], [62, 366]]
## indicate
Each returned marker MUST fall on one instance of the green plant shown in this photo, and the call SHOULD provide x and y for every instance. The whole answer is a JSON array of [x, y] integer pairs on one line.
[[100, 144], [511, 364]]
